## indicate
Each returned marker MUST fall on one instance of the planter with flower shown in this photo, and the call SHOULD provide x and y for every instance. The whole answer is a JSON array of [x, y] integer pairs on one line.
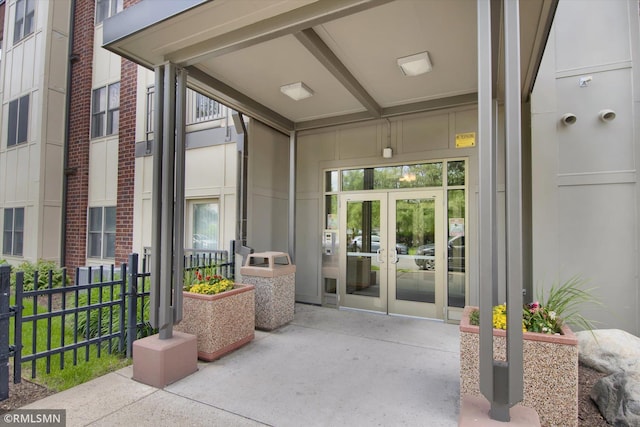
[[219, 312], [550, 352]]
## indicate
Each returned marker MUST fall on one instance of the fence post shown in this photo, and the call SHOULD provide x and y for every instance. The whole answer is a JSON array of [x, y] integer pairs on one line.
[[5, 274], [123, 306], [17, 329], [132, 302]]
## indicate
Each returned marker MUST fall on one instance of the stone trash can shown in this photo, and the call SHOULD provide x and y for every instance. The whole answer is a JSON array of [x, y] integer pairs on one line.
[[274, 278]]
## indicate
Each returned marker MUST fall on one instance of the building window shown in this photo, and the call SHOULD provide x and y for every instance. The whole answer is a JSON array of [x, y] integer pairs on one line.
[[13, 235], [106, 9], [204, 224], [102, 232], [105, 110], [25, 12], [18, 122]]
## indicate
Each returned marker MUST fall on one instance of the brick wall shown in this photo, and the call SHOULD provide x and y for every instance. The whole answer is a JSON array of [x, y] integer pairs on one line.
[[126, 160], [126, 156], [78, 143]]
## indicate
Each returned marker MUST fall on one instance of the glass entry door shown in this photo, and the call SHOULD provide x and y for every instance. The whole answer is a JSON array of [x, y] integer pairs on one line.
[[364, 268], [394, 262]]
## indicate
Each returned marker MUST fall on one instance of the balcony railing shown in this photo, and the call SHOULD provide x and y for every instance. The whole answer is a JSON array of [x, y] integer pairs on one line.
[[202, 109]]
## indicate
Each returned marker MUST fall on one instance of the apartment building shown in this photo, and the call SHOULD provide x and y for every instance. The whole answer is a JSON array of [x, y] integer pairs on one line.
[[371, 182], [77, 131]]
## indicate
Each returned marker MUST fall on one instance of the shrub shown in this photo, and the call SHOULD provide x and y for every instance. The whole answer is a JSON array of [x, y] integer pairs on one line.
[[100, 322], [42, 267]]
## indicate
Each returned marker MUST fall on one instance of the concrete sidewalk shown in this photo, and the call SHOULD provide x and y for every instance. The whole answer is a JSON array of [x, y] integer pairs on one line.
[[326, 368]]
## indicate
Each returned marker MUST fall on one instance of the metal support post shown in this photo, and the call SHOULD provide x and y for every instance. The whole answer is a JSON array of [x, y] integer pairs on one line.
[[5, 274], [500, 381], [486, 204], [156, 199], [292, 194], [132, 303], [178, 224], [515, 280], [165, 326]]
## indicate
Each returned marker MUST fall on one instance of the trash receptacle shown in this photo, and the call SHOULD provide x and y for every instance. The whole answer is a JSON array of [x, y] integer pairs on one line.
[[273, 276]]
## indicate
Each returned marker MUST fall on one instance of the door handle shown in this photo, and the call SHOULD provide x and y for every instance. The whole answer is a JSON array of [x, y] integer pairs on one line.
[[394, 258], [379, 258]]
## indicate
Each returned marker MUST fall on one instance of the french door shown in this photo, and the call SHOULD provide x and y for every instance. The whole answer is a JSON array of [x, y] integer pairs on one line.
[[394, 259]]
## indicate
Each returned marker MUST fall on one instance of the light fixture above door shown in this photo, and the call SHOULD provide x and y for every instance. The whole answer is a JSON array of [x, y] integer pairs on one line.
[[414, 65], [296, 91]]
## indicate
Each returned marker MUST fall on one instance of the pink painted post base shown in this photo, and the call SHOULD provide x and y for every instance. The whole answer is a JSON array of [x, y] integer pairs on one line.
[[159, 363], [474, 411]]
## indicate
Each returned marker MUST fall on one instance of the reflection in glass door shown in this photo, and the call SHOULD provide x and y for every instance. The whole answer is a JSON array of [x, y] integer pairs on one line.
[[364, 230], [392, 263], [415, 270]]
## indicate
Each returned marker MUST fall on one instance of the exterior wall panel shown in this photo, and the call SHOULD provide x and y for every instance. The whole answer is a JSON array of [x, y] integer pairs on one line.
[[415, 130], [308, 223], [597, 230], [584, 176], [595, 33], [268, 186], [591, 145]]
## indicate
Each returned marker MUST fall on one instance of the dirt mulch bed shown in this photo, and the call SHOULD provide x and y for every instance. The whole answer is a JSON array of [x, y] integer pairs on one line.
[[588, 413], [22, 393]]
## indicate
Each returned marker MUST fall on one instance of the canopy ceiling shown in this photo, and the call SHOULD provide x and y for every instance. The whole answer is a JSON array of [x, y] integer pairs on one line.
[[242, 51]]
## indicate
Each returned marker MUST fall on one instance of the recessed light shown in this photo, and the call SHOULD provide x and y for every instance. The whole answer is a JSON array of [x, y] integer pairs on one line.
[[296, 91], [414, 65]]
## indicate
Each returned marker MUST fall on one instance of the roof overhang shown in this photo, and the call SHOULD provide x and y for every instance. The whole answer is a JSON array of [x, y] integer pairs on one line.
[[346, 51]]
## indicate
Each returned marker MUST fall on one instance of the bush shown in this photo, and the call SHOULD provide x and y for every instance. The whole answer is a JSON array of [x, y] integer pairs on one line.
[[42, 267], [107, 320]]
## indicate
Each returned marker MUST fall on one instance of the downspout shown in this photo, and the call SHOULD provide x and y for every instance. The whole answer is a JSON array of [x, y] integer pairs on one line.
[[241, 190], [67, 126], [241, 186]]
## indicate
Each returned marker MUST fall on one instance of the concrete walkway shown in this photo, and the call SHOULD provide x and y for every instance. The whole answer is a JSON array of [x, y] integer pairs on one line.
[[326, 368]]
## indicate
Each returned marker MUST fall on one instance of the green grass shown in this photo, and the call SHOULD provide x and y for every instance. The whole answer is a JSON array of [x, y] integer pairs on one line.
[[71, 375]]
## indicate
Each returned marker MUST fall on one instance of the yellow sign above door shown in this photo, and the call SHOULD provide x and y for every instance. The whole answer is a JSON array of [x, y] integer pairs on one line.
[[465, 140]]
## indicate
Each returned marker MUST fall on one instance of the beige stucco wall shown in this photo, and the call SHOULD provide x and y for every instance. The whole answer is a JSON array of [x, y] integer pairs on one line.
[[210, 174], [31, 173], [585, 190], [268, 189]]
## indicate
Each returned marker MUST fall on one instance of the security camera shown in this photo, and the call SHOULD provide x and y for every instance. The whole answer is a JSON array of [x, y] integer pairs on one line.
[[607, 115], [568, 119]]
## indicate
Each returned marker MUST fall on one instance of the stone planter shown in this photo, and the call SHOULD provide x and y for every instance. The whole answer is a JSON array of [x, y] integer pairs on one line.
[[222, 322], [550, 370]]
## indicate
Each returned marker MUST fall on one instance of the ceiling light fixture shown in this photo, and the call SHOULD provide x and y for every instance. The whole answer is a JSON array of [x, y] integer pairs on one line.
[[296, 91], [414, 65]]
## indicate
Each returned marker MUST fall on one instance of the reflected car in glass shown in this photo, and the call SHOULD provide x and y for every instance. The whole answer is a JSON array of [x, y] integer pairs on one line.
[[356, 245], [455, 255]]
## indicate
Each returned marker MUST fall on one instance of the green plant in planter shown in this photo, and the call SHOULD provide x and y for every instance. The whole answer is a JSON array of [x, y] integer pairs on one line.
[[562, 305], [209, 284]]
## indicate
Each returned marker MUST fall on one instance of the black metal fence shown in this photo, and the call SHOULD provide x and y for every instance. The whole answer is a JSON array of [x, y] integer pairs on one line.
[[108, 313], [195, 259]]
